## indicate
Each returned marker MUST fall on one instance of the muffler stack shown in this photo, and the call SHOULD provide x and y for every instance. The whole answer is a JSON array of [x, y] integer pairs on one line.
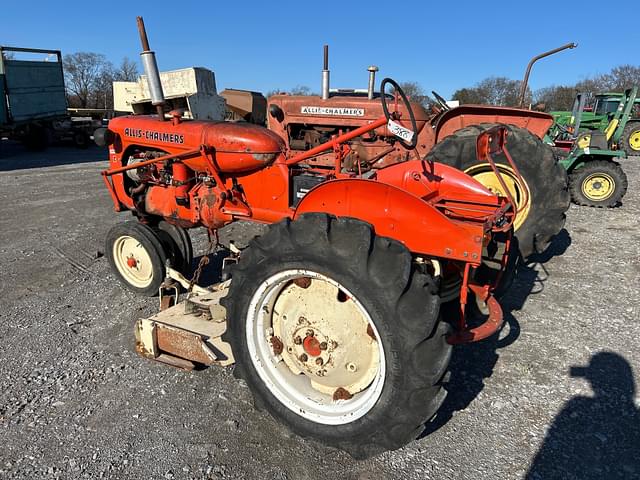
[[150, 66], [325, 74]]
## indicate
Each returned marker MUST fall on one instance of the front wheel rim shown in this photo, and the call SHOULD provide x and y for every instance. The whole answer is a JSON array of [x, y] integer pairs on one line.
[[634, 140], [133, 261], [598, 186], [484, 174], [300, 313]]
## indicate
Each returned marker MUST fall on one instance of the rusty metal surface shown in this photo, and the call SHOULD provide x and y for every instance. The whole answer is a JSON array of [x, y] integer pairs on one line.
[[183, 344], [341, 394], [490, 326], [536, 122]]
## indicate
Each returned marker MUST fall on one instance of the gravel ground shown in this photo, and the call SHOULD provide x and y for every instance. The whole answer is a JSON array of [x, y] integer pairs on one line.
[[76, 401]]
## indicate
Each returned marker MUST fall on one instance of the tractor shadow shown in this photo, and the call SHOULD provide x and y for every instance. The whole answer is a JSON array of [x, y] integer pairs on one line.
[[473, 363]]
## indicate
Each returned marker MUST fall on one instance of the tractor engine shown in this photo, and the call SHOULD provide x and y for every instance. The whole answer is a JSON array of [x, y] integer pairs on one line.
[[308, 121], [174, 162]]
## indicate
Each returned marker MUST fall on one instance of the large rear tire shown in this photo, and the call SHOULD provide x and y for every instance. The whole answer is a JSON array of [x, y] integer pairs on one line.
[[543, 216], [337, 333]]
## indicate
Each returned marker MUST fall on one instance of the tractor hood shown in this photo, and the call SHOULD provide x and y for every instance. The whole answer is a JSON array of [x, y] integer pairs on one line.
[[238, 146]]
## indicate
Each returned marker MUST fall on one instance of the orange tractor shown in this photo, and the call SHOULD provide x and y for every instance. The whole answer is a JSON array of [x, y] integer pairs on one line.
[[445, 135], [333, 316]]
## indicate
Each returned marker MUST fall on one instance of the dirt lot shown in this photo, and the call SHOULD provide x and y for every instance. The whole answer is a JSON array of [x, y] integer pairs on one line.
[[76, 401]]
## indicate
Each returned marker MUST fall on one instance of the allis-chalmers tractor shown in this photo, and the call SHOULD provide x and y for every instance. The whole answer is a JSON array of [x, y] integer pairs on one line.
[[333, 316], [445, 135]]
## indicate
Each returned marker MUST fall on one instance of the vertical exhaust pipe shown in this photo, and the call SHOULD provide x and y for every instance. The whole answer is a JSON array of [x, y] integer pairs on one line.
[[151, 71], [372, 81], [325, 74]]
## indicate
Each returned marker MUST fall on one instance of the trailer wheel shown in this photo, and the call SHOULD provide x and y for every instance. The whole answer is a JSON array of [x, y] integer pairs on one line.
[[631, 138], [178, 245], [599, 183], [81, 140], [337, 333], [137, 256], [542, 216]]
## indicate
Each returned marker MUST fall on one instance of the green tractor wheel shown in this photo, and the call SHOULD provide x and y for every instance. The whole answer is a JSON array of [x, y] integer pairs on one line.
[[599, 183], [631, 138]]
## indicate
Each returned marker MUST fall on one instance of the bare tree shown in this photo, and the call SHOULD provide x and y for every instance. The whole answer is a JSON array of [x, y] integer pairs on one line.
[[468, 96], [416, 93], [300, 90], [102, 94], [499, 91], [127, 71], [297, 90], [624, 76], [83, 74], [556, 97]]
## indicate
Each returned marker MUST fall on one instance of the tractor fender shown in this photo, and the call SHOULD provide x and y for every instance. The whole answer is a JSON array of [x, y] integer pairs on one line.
[[448, 180], [465, 115], [397, 214]]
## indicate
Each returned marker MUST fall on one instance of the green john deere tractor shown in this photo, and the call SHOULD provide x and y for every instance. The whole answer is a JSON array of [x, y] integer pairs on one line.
[[596, 179], [615, 114]]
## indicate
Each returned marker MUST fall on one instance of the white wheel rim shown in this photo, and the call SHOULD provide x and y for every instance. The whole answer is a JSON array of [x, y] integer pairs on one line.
[[297, 389], [126, 251]]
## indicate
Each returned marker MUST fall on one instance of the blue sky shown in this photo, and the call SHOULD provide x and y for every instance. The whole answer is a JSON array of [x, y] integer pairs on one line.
[[267, 45]]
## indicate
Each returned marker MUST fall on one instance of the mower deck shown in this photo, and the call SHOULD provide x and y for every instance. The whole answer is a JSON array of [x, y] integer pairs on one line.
[[186, 334]]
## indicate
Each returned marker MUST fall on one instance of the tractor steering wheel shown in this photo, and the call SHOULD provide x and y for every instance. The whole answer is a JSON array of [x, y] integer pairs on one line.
[[408, 138], [441, 101]]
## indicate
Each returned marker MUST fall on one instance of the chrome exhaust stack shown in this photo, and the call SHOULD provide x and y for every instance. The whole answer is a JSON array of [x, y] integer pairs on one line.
[[325, 74], [372, 81], [150, 66]]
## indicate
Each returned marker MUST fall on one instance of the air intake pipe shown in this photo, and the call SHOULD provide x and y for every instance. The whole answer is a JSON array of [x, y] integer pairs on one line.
[[151, 71]]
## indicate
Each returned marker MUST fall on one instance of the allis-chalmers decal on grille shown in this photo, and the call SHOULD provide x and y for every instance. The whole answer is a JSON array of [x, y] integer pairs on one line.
[[151, 135], [337, 111]]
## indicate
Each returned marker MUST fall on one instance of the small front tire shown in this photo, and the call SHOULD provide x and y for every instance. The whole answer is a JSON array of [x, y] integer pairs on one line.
[[599, 183], [137, 256], [630, 140], [177, 245]]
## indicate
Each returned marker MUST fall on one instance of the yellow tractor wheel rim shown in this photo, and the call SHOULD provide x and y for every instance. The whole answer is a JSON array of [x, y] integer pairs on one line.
[[598, 186], [634, 140], [484, 174], [584, 141]]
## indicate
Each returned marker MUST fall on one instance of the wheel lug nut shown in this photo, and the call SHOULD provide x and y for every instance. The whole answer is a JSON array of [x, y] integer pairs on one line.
[[351, 367], [310, 333], [297, 341], [303, 357], [319, 361], [323, 345]]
